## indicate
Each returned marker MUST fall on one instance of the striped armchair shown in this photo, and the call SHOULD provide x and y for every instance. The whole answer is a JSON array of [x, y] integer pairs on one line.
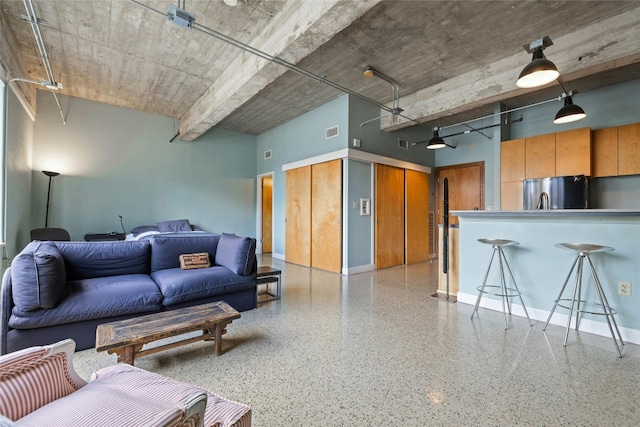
[[39, 387]]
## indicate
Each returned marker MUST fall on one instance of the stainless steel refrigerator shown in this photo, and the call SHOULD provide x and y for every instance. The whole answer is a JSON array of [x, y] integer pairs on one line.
[[561, 192]]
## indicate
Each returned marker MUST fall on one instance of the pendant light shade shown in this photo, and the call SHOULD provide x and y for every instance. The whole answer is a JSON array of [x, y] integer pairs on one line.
[[436, 142], [569, 113], [538, 72]]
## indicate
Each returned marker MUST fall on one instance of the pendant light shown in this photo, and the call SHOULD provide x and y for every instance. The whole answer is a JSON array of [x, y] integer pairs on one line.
[[436, 142], [570, 112], [540, 70]]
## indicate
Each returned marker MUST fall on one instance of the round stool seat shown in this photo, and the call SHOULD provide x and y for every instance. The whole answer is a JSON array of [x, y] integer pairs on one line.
[[584, 247], [498, 242]]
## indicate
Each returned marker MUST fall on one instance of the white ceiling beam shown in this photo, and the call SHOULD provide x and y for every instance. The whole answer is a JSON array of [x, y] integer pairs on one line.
[[609, 44], [298, 30]]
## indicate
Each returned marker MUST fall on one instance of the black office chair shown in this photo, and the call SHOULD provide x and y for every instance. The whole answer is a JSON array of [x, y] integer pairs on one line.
[[57, 234]]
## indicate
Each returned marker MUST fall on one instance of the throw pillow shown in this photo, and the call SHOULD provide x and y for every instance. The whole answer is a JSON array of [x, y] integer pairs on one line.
[[174, 225], [191, 261], [236, 253], [38, 276], [143, 229]]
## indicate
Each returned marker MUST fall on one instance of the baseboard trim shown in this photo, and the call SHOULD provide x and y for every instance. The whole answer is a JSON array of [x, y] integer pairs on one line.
[[358, 269], [559, 319]]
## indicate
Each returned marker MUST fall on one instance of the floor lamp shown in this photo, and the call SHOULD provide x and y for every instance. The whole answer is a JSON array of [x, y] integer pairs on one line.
[[50, 175]]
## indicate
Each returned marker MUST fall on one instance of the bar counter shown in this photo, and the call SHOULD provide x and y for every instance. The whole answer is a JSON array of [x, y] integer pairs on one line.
[[540, 268]]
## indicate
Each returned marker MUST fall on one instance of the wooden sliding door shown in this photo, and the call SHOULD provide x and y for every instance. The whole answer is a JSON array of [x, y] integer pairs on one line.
[[389, 216], [298, 219], [417, 216], [326, 216]]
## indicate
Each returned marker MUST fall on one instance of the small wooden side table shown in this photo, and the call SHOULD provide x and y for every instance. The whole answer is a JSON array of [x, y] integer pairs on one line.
[[127, 337], [265, 276]]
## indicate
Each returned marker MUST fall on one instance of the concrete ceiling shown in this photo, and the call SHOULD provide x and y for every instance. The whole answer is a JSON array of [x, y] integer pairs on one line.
[[451, 59]]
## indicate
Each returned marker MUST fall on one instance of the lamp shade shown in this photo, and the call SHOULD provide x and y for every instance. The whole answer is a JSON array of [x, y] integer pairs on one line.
[[569, 113], [538, 72], [436, 142]]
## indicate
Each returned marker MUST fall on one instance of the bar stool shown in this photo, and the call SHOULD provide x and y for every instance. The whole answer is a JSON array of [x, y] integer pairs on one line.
[[501, 290], [579, 305]]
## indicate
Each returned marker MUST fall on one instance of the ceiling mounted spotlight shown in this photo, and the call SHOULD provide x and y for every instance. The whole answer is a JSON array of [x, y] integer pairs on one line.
[[231, 2], [369, 72], [570, 112], [540, 70]]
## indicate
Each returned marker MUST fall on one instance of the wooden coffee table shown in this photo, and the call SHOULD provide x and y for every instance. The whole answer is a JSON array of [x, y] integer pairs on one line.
[[127, 337]]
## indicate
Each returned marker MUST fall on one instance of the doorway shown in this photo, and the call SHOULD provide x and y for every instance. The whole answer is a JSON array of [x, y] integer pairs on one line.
[[466, 188], [264, 227]]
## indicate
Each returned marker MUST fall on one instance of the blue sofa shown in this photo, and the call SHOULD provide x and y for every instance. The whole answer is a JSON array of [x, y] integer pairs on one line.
[[59, 290]]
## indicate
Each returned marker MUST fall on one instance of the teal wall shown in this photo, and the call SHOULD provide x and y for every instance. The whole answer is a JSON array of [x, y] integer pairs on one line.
[[359, 227], [115, 161], [19, 148]]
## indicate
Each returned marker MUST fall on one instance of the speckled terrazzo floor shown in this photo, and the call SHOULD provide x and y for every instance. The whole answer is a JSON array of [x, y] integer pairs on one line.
[[374, 349]]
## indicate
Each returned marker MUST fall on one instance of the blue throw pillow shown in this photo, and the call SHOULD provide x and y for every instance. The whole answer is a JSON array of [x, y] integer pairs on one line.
[[236, 253], [143, 229], [38, 276], [173, 226]]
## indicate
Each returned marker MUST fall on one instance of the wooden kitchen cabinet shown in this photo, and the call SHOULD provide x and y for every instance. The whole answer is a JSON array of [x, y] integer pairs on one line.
[[604, 151], [540, 156], [512, 155], [573, 152], [511, 196], [629, 149]]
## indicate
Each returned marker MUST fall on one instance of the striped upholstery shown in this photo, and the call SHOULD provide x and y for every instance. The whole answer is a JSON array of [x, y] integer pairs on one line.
[[39, 387], [35, 376], [223, 412]]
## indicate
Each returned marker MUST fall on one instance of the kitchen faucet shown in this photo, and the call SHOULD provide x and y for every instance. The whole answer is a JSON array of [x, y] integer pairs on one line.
[[543, 201]]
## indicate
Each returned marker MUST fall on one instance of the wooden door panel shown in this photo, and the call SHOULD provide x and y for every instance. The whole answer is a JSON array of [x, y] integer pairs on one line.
[[466, 188], [267, 214], [326, 216], [511, 196], [389, 215], [417, 216], [298, 219]]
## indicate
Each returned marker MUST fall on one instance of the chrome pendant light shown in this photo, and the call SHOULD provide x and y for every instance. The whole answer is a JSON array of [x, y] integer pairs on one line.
[[570, 112]]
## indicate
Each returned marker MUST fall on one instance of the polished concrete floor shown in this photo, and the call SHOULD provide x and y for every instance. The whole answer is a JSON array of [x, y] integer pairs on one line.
[[374, 349]]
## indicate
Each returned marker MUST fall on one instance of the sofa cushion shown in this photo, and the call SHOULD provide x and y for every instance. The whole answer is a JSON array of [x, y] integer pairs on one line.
[[87, 260], [38, 276], [174, 226], [118, 395], [179, 285], [96, 298], [236, 253], [166, 250]]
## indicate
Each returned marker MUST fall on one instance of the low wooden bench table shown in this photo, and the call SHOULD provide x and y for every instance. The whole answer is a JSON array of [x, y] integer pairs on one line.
[[127, 337]]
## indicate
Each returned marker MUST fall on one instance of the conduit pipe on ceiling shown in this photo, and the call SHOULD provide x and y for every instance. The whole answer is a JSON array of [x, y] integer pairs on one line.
[[33, 20], [321, 79]]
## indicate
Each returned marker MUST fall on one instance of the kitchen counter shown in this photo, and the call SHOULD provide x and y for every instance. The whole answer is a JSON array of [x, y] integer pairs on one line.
[[550, 213], [540, 268]]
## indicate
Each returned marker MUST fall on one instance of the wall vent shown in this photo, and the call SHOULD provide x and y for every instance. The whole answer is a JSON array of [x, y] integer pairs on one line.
[[267, 154], [331, 132], [403, 143], [433, 233]]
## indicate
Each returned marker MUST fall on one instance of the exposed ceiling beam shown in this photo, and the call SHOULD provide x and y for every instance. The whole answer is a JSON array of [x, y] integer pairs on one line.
[[587, 51], [298, 30]]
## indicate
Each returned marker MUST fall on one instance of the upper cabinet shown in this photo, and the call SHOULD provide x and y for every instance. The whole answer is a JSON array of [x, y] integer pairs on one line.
[[512, 160], [540, 156], [629, 149], [616, 151], [573, 152]]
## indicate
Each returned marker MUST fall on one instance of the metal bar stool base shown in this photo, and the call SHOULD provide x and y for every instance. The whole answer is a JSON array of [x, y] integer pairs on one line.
[[503, 291], [576, 304]]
